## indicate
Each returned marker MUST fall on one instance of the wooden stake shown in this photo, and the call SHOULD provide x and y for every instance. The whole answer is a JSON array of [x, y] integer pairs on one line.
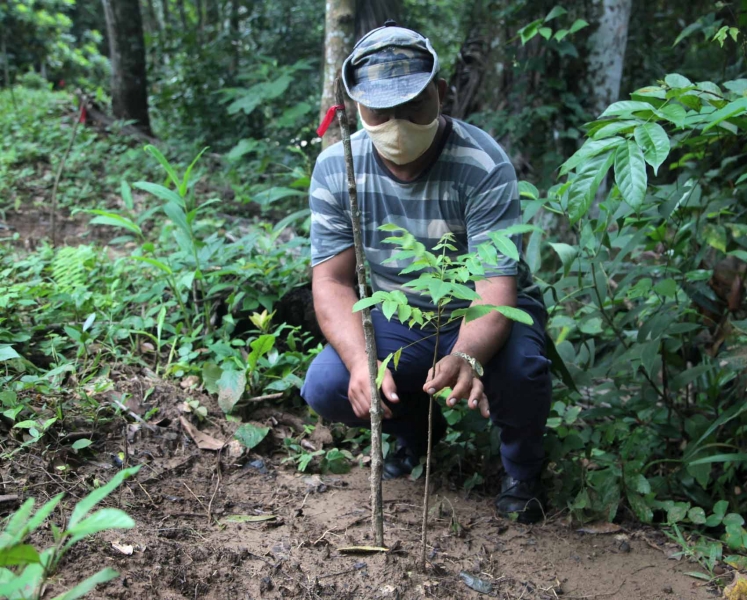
[[377, 466]]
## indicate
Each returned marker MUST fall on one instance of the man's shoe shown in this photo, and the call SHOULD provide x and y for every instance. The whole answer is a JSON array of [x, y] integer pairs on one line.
[[525, 498], [400, 463]]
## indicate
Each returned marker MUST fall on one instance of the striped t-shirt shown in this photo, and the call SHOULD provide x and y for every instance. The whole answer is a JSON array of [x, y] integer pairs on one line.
[[469, 190]]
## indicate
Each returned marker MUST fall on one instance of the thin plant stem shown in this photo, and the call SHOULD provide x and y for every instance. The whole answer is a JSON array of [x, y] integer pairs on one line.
[[426, 495], [377, 466]]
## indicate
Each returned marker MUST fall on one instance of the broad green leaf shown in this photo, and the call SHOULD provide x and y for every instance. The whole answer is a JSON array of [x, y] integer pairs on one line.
[[677, 512], [274, 194], [153, 151], [160, 192], [737, 107], [251, 435], [716, 236], [84, 506], [696, 515], [567, 254], [625, 107], [504, 245], [389, 307], [80, 444], [231, 387], [638, 483], [630, 174], [613, 128], [584, 186], [515, 314], [20, 586], [578, 25], [126, 192], [177, 216], [545, 32], [114, 220], [528, 190], [674, 80], [155, 263], [21, 554], [102, 520], [87, 585], [640, 507], [188, 173], [261, 346], [654, 142], [396, 358], [675, 113], [211, 373], [667, 288], [589, 150], [7, 353], [557, 11]]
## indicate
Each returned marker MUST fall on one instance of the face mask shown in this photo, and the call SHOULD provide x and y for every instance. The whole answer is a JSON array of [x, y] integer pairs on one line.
[[402, 141]]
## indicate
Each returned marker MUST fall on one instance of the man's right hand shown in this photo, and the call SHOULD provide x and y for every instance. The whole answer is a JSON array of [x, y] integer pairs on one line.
[[359, 391]]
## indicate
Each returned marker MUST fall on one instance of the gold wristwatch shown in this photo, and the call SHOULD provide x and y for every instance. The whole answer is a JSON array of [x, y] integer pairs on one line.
[[473, 362]]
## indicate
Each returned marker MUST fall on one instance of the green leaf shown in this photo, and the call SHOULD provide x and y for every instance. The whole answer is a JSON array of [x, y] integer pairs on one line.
[[737, 107], [177, 216], [638, 483], [231, 387], [251, 435], [545, 32], [7, 353], [578, 25], [126, 192], [696, 515], [211, 373], [674, 113], [274, 194], [654, 142], [667, 288], [624, 107], [586, 183], [557, 11], [504, 245], [102, 520], [640, 507], [589, 150], [83, 507], [160, 192], [567, 254], [515, 314], [630, 174], [188, 173], [261, 346], [716, 236], [80, 444], [153, 151], [720, 458], [114, 220], [674, 80], [614, 128], [397, 356], [248, 518], [528, 190], [87, 585], [155, 263], [677, 512], [389, 307], [21, 554], [382, 370]]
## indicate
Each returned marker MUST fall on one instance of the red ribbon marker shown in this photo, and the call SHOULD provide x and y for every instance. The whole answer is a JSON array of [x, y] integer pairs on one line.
[[327, 120], [83, 114]]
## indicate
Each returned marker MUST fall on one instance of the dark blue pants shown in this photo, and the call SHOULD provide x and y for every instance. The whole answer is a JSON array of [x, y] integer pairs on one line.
[[517, 384]]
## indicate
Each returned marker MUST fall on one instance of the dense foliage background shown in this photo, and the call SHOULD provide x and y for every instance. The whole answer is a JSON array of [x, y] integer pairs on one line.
[[201, 268]]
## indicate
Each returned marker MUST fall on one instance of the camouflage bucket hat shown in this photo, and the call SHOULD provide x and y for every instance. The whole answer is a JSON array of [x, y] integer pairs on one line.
[[389, 66]]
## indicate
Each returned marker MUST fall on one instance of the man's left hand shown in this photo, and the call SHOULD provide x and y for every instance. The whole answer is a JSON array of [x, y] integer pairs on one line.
[[456, 373]]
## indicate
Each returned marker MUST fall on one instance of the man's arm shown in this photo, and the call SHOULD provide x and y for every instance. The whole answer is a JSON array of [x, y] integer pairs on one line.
[[334, 296]]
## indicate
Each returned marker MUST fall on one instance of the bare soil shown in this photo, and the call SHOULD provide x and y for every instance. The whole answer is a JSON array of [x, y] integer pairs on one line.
[[185, 545]]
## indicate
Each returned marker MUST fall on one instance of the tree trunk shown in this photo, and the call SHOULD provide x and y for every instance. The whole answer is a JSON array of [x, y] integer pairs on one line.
[[166, 13], [182, 15], [200, 15], [127, 55], [234, 24], [607, 53], [212, 12], [339, 36]]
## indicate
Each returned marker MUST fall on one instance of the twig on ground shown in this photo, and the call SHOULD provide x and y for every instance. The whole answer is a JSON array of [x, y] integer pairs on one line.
[[217, 485], [266, 397], [612, 593], [205, 508]]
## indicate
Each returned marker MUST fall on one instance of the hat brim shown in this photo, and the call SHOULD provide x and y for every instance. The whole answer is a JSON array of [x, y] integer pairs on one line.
[[388, 93]]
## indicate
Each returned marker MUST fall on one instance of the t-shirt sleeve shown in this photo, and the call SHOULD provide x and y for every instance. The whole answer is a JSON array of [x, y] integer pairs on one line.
[[493, 205], [331, 223]]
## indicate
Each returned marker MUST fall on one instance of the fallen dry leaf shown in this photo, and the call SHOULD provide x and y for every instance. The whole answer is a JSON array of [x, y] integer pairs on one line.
[[123, 548], [600, 527], [203, 440], [738, 588], [191, 381], [248, 518]]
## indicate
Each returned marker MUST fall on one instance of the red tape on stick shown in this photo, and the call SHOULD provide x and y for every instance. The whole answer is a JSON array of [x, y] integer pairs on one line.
[[327, 120], [83, 114]]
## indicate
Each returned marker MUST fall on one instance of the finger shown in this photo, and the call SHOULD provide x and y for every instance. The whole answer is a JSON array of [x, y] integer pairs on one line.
[[484, 406], [463, 385], [389, 388], [475, 394], [445, 376]]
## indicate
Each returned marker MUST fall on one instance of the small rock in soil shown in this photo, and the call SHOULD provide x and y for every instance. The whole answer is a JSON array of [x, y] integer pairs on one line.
[[257, 465], [667, 589], [624, 547]]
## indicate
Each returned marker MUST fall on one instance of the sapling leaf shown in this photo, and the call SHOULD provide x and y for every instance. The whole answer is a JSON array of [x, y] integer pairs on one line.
[[153, 151], [126, 192], [101, 520], [19, 554], [397, 356], [251, 435], [504, 245], [161, 192], [83, 507], [87, 585], [382, 370]]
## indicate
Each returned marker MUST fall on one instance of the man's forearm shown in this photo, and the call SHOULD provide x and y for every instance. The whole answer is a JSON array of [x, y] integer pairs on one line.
[[484, 337], [333, 304]]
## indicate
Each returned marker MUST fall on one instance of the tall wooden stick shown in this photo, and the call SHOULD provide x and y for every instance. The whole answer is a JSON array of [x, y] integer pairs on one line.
[[377, 510], [59, 174]]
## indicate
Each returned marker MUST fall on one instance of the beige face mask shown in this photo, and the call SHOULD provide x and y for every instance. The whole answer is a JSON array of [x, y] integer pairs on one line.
[[402, 141]]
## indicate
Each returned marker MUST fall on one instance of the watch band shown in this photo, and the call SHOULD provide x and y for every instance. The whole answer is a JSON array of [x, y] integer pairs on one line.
[[473, 362]]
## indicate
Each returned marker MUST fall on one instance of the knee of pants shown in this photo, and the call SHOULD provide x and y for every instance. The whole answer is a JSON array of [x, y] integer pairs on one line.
[[325, 394]]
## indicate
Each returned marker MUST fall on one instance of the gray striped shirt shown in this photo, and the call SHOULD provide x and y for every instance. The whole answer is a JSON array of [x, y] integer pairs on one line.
[[469, 190]]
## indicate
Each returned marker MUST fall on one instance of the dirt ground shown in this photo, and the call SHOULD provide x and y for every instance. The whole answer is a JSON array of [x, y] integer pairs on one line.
[[187, 543]]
